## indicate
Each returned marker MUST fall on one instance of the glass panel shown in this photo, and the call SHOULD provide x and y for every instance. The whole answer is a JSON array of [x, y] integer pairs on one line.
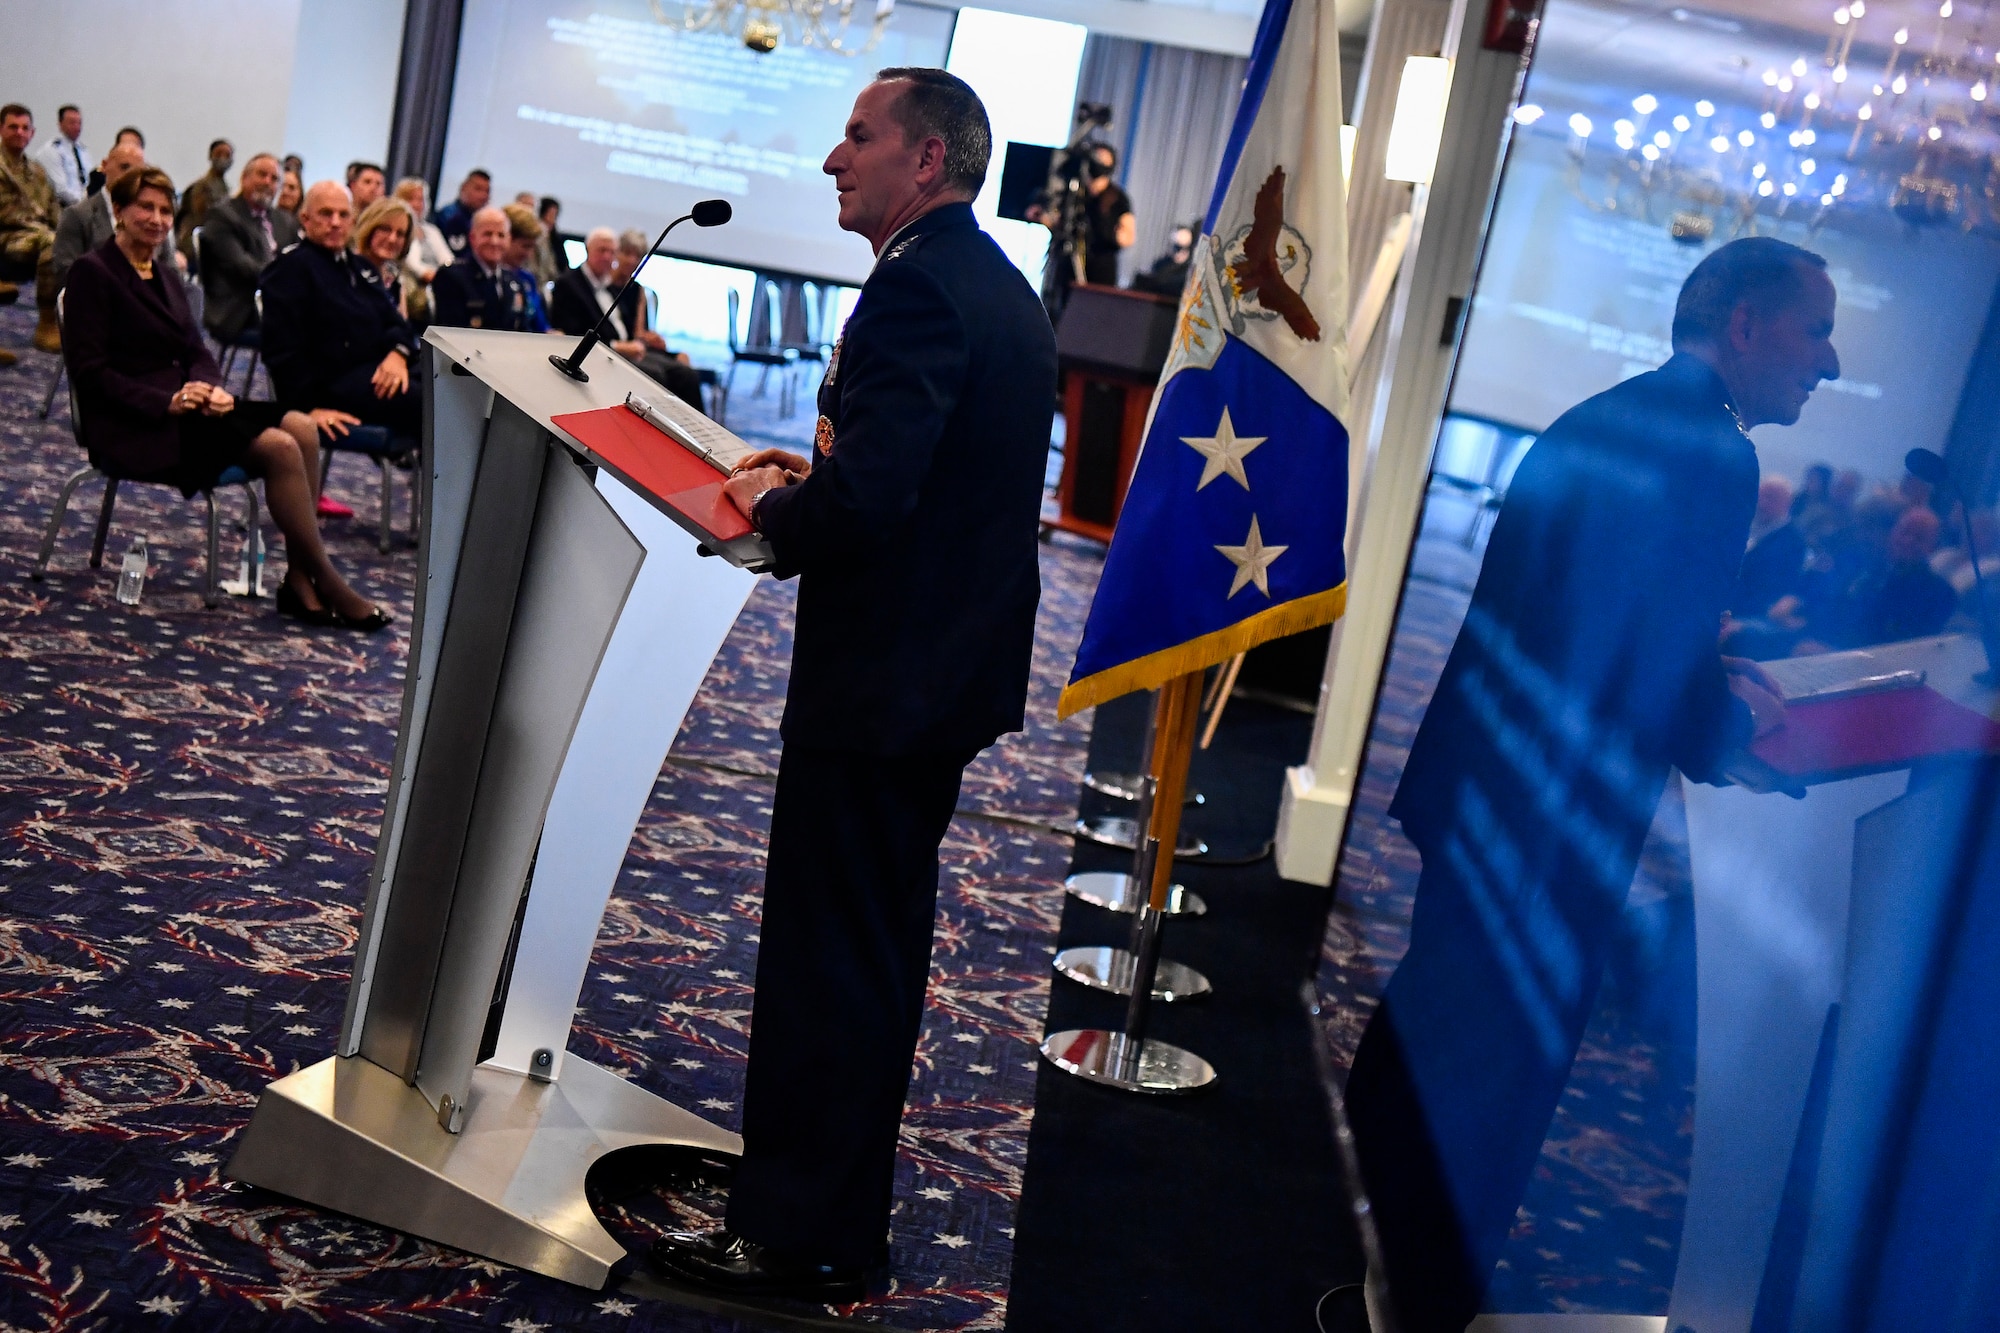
[[1693, 957]]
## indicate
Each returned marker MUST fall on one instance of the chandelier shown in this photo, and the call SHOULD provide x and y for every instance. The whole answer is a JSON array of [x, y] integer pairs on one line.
[[1891, 114], [763, 25]]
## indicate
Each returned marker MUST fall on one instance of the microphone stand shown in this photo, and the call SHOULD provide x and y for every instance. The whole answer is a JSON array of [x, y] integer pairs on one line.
[[572, 365], [1987, 637]]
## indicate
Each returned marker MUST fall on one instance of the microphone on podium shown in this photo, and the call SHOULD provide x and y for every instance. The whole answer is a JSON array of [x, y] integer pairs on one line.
[[707, 213], [1928, 465]]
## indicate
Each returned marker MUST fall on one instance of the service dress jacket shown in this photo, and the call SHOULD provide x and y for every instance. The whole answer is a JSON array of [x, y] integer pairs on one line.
[[573, 307], [129, 345], [326, 319], [1588, 664], [464, 297], [914, 537], [234, 255]]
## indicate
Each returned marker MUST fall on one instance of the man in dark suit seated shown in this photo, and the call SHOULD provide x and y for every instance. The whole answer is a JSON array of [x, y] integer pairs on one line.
[[478, 290], [333, 340], [1587, 668], [584, 294], [239, 238], [913, 534], [85, 226]]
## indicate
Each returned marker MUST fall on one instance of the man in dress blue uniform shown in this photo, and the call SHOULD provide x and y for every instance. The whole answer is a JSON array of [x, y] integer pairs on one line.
[[479, 290], [335, 344], [913, 533], [454, 220], [1588, 665]]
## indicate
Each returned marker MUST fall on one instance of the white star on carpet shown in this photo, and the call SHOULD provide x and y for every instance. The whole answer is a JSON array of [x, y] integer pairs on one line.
[[161, 1305], [1225, 452], [1252, 559]]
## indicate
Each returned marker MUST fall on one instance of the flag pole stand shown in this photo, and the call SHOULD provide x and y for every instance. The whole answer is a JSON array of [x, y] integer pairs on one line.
[[1116, 890], [1129, 1059]]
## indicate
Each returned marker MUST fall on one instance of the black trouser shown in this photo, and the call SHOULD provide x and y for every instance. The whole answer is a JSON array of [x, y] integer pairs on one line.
[[850, 888], [354, 393], [1458, 1074], [683, 382]]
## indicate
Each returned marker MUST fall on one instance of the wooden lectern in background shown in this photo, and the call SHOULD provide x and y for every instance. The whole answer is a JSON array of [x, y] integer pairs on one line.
[[1111, 345]]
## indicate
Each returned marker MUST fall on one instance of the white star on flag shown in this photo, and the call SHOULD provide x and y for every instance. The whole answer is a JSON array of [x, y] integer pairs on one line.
[[1225, 452], [1252, 559]]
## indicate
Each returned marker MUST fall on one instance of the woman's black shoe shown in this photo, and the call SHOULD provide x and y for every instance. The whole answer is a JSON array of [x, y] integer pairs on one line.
[[376, 619], [725, 1264], [293, 605]]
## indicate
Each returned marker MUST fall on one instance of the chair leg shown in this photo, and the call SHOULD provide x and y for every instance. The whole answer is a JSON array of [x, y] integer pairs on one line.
[[418, 463], [387, 469], [211, 592], [103, 523], [325, 466], [253, 540], [55, 384], [250, 377], [55, 520], [228, 362]]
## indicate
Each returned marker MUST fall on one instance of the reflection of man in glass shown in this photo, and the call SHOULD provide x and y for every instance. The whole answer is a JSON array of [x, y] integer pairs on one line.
[[1587, 667]]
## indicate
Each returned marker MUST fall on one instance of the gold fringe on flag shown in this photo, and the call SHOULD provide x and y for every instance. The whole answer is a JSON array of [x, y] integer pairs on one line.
[[1156, 669]]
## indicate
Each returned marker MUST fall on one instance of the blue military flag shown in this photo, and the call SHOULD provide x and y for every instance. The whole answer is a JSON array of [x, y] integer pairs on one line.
[[1232, 528]]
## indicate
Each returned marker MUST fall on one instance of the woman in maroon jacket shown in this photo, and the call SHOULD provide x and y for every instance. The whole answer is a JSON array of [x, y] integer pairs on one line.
[[151, 406]]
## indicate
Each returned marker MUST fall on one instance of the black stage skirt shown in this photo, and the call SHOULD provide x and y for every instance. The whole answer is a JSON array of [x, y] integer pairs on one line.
[[211, 446]]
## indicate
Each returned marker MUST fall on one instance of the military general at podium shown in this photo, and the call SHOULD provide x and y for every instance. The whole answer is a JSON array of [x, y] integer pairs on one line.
[[912, 531]]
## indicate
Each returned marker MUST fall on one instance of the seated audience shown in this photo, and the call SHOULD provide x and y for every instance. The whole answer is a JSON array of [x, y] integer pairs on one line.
[[63, 157], [87, 225], [1954, 563], [132, 133], [524, 234], [1776, 561], [150, 407], [380, 242], [480, 290], [291, 193], [240, 237], [454, 220], [29, 216], [550, 262], [1901, 597], [334, 342], [584, 294], [204, 194], [366, 183], [296, 165], [428, 251]]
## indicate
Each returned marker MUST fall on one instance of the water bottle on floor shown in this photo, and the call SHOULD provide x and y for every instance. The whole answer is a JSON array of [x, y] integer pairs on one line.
[[132, 573]]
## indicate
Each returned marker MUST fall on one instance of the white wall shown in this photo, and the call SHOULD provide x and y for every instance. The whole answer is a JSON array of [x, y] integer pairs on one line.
[[185, 72], [344, 84]]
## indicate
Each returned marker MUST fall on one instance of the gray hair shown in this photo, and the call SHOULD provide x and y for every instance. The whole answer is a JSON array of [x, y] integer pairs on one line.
[[634, 242], [1762, 270], [944, 105], [596, 232]]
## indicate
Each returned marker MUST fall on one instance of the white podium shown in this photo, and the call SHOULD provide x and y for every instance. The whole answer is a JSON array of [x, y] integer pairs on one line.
[[563, 624]]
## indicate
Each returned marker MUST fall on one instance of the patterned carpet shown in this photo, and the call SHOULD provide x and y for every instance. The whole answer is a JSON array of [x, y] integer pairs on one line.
[[190, 805], [1600, 1228]]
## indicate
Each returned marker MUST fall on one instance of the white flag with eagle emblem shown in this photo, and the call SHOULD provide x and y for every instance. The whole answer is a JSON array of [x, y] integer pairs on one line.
[[1232, 528]]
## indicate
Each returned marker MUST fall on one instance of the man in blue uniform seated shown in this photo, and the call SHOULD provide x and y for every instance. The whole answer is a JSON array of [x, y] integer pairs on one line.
[[454, 220], [913, 534], [1587, 667], [479, 290], [335, 344]]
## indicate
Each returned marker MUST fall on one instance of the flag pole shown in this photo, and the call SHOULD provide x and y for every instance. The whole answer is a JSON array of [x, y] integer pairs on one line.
[[1118, 890], [1104, 967], [1129, 1059]]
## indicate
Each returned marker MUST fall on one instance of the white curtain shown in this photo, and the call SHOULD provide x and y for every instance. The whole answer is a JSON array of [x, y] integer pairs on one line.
[[1170, 114]]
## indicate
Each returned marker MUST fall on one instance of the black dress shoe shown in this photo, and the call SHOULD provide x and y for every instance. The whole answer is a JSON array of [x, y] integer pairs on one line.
[[726, 1264]]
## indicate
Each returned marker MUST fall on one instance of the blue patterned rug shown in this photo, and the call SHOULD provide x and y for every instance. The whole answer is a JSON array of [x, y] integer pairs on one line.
[[189, 802]]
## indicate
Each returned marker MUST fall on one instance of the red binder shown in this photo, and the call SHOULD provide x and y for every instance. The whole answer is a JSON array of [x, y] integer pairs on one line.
[[1871, 733], [646, 457]]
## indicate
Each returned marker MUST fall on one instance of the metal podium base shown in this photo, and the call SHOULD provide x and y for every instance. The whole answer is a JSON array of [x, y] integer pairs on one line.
[[1122, 831], [1125, 787], [347, 1134], [1102, 1057], [1107, 969], [1112, 890]]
